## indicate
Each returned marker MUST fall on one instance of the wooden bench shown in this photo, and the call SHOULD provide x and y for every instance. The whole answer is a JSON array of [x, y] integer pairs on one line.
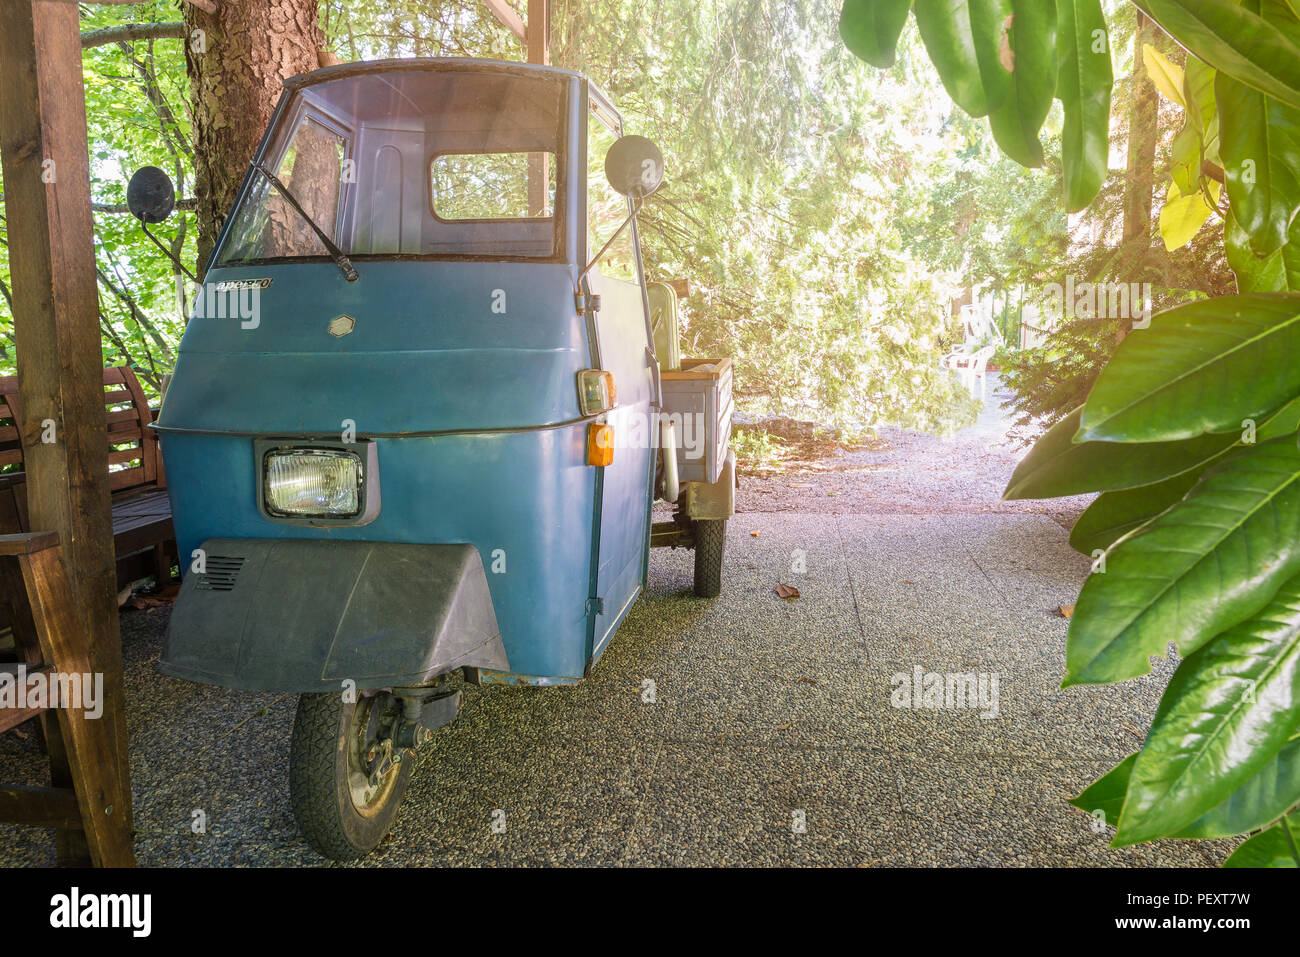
[[142, 518]]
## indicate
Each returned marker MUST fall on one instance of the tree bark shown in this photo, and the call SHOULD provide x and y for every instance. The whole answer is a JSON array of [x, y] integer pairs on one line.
[[1143, 131], [235, 67]]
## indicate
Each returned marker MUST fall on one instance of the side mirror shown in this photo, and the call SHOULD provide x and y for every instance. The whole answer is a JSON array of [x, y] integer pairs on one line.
[[150, 195], [634, 166]]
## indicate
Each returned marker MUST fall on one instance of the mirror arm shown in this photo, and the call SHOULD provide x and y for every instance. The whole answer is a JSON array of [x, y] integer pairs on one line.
[[167, 252], [637, 203]]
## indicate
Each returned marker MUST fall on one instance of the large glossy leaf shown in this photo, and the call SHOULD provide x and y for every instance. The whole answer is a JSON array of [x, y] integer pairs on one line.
[[1106, 794], [1275, 847], [988, 22], [1228, 710], [1083, 83], [1198, 369], [1031, 44], [1058, 466], [945, 28], [1114, 514], [1269, 794], [871, 28], [1235, 41], [1208, 563], [1278, 272], [1259, 140]]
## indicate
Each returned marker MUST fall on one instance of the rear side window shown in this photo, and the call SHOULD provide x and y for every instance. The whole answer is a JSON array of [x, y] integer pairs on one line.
[[492, 186]]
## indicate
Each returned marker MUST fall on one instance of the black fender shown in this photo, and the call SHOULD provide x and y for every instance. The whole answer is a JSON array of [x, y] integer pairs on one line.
[[306, 615]]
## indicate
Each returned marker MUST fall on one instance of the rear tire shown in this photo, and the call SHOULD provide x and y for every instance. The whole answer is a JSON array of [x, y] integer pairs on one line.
[[337, 810], [710, 541]]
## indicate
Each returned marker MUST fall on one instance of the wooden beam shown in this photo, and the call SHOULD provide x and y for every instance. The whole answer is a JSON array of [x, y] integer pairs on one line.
[[89, 747], [39, 807], [56, 332], [507, 17], [539, 32]]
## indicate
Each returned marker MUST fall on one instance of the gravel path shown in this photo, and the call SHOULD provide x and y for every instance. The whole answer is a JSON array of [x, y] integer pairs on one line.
[[771, 736], [913, 474]]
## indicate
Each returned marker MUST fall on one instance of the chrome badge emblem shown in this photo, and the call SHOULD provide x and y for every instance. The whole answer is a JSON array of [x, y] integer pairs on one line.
[[340, 326]]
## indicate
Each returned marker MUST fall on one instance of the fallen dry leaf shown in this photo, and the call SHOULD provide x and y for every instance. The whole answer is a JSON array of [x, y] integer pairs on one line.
[[805, 681], [787, 591], [755, 533], [1065, 611]]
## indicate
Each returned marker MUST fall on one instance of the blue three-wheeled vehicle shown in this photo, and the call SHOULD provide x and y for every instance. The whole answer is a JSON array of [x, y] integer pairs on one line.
[[418, 421]]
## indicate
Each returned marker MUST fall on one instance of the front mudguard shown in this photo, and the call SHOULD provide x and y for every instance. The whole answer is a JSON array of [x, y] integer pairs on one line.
[[305, 615]]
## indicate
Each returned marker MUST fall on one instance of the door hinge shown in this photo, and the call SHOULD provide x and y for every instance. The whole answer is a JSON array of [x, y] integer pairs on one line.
[[595, 606], [582, 303]]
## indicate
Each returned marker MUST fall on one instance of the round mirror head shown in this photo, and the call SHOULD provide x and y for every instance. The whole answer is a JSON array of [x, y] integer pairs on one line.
[[634, 166], [150, 196]]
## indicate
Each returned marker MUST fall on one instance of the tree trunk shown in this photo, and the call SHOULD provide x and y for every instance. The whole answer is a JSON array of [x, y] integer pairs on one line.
[[236, 65], [1143, 130]]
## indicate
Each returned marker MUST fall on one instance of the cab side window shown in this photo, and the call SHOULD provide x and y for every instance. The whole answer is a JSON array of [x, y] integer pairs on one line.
[[606, 209]]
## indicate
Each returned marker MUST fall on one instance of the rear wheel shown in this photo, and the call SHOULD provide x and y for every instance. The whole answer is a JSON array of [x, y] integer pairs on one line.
[[346, 779], [710, 540]]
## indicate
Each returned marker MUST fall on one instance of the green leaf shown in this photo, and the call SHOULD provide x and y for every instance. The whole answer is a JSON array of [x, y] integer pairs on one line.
[[1167, 76], [1259, 140], [1185, 155], [1106, 794], [1030, 44], [1272, 848], [1083, 83], [945, 28], [989, 20], [1270, 793], [1234, 41], [1114, 514], [1182, 217], [1200, 368], [871, 28], [1228, 710], [1277, 272], [1058, 466], [1208, 563]]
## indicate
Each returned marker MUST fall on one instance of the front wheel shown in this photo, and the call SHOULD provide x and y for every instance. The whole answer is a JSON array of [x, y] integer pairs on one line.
[[346, 778], [710, 540]]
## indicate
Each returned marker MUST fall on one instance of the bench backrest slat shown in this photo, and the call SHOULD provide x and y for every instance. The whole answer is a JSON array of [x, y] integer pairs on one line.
[[133, 447]]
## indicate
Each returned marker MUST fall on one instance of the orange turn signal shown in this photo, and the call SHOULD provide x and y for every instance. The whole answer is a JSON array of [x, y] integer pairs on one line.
[[600, 444]]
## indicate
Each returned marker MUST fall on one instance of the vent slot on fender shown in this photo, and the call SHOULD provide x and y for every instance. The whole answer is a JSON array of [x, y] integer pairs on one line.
[[222, 570]]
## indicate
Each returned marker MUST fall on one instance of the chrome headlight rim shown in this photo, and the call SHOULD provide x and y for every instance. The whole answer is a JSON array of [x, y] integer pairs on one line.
[[363, 453]]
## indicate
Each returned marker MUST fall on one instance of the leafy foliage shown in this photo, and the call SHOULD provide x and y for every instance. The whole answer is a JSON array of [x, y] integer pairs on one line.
[[136, 116], [1202, 511]]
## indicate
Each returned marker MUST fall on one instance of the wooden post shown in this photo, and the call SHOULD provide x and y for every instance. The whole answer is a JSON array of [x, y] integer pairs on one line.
[[56, 328], [538, 43], [539, 32]]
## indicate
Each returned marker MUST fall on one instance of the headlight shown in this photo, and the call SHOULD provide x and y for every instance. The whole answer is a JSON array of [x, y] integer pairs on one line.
[[314, 483]]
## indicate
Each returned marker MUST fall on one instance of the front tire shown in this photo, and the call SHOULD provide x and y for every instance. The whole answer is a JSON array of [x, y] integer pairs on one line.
[[710, 541], [343, 785]]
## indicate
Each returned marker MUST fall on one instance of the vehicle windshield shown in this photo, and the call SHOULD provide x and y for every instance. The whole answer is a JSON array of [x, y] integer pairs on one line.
[[424, 163]]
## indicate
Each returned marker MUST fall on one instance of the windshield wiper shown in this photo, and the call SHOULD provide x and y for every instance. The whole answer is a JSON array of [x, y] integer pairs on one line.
[[340, 258]]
